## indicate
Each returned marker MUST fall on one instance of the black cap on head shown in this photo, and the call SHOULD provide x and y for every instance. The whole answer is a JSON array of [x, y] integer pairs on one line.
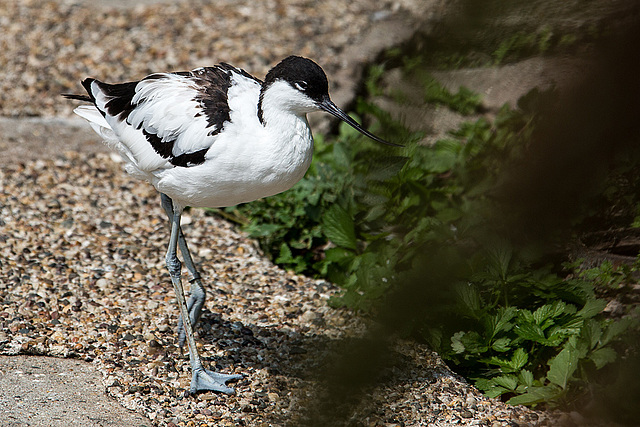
[[303, 74]]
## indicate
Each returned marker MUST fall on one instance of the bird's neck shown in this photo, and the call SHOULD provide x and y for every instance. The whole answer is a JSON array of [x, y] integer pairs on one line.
[[279, 101]]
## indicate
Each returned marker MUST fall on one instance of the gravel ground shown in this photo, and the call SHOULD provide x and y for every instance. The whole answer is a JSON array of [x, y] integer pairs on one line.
[[48, 46], [82, 275]]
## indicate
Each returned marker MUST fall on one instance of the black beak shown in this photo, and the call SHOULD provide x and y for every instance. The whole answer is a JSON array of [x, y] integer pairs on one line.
[[331, 108]]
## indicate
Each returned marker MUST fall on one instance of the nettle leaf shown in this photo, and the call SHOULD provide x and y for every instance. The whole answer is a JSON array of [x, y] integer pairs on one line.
[[592, 307], [504, 364], [338, 254], [444, 156], [536, 395], [262, 230], [469, 299], [500, 322], [449, 214], [468, 342], [500, 260], [525, 316], [473, 342], [490, 388], [549, 311], [570, 326], [525, 377], [456, 342], [591, 333], [557, 337], [501, 344], [530, 331], [614, 330], [387, 167], [510, 382], [603, 356], [562, 367], [338, 227], [285, 255], [519, 359], [484, 383]]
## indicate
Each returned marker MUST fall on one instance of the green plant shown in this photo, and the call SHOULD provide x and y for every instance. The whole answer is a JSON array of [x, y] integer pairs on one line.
[[464, 101], [535, 335], [364, 217], [608, 276], [524, 44]]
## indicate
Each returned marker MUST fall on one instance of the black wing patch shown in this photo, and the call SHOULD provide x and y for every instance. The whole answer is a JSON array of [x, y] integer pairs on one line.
[[214, 83], [121, 95], [190, 159]]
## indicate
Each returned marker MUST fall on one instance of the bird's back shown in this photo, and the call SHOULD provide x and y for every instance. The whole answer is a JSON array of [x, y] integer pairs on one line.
[[169, 119]]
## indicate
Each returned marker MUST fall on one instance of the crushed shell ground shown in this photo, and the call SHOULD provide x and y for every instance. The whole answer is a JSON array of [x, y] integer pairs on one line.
[[82, 275]]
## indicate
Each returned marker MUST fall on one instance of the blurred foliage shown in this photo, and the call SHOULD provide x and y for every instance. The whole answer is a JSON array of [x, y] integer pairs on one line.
[[366, 216], [457, 243]]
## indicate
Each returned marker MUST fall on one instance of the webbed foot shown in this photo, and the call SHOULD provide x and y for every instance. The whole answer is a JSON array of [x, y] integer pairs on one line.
[[205, 380]]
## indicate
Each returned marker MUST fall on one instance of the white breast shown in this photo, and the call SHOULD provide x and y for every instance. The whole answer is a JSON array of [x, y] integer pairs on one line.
[[242, 167]]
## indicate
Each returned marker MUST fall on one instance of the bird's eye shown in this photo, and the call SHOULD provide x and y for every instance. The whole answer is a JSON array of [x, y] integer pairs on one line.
[[301, 85]]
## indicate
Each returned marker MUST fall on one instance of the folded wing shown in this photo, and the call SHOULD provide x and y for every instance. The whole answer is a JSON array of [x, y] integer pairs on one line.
[[168, 119]]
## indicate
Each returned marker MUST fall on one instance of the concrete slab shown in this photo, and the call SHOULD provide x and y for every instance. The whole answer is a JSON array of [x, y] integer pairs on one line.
[[50, 392]]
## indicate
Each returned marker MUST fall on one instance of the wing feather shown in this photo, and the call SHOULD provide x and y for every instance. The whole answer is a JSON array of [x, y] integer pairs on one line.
[[169, 119]]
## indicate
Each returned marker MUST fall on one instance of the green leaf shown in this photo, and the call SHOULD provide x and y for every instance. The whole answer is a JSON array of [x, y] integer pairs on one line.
[[548, 311], [387, 167], [563, 366], [501, 344], [495, 391], [469, 299], [339, 228], [591, 333], [285, 255], [536, 395], [525, 377], [509, 382], [490, 387], [613, 330], [504, 364], [442, 158], [449, 214], [603, 356], [519, 359], [592, 307], [531, 332], [261, 230], [469, 342], [501, 320], [337, 254], [456, 342]]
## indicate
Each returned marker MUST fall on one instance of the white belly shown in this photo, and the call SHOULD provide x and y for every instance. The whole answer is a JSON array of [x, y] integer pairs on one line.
[[238, 173]]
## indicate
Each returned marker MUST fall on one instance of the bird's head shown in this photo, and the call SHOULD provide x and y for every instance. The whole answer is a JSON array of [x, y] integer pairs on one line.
[[301, 85]]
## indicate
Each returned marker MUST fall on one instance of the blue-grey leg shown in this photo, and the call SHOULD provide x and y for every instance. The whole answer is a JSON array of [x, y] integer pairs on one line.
[[197, 295], [202, 379]]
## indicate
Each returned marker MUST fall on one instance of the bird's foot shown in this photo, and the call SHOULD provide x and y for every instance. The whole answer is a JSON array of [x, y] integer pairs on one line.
[[205, 380]]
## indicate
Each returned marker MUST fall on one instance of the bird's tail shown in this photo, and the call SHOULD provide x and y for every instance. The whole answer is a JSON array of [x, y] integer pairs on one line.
[[77, 97], [97, 121]]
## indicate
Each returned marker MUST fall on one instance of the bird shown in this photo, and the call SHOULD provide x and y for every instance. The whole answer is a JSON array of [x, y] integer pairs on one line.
[[212, 137]]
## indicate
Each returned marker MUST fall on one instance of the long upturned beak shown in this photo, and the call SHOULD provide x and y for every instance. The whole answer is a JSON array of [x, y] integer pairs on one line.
[[331, 108]]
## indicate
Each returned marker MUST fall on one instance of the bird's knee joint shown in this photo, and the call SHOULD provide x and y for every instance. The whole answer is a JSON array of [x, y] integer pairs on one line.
[[174, 266]]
